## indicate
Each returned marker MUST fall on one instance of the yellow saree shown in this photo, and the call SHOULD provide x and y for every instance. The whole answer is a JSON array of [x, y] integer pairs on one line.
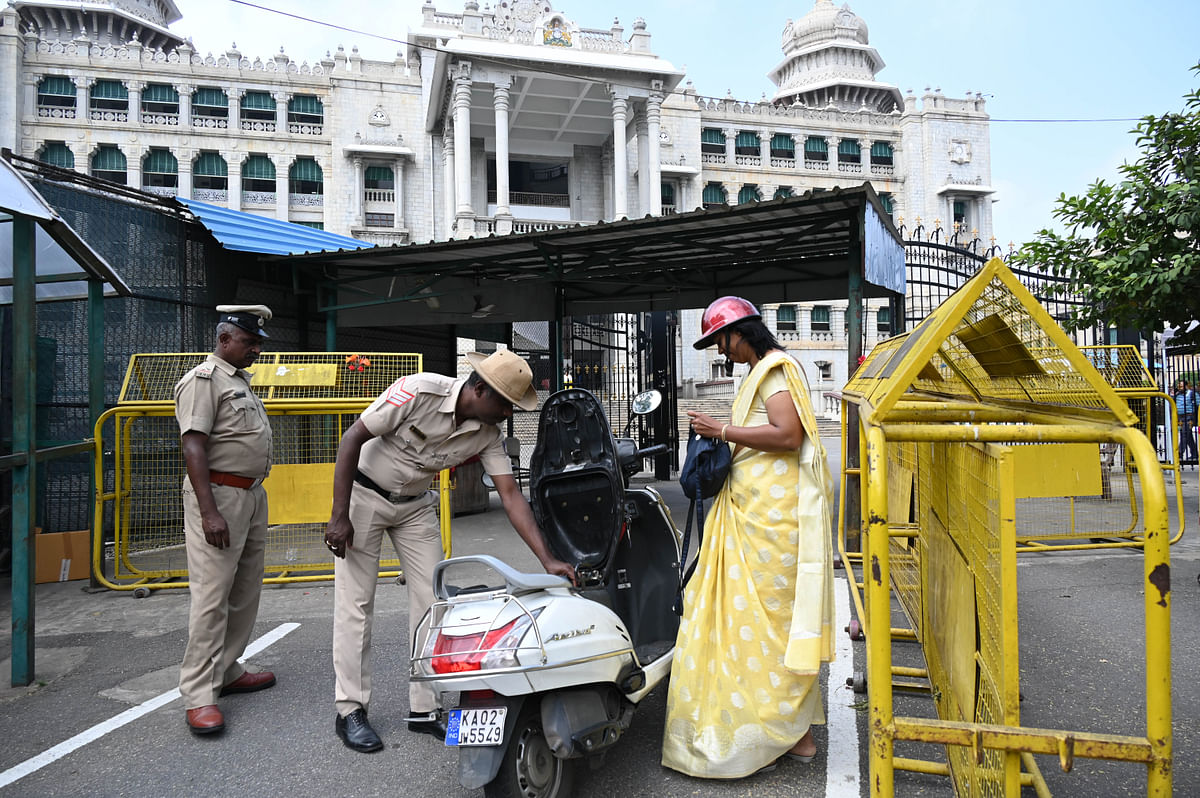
[[758, 612]]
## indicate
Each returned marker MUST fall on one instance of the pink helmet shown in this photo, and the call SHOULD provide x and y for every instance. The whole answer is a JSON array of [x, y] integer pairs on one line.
[[722, 313]]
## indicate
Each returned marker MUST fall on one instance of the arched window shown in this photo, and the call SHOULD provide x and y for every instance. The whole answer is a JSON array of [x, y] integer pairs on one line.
[[304, 177], [258, 105], [816, 149], [160, 169], [56, 91], [306, 109], [258, 174], [210, 172], [746, 143], [379, 177], [849, 151], [56, 153], [783, 191], [712, 140], [160, 98], [783, 146], [882, 153], [109, 95], [748, 194], [108, 163], [714, 194], [210, 103]]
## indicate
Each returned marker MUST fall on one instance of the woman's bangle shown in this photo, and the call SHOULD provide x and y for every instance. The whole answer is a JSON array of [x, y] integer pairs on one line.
[[723, 433]]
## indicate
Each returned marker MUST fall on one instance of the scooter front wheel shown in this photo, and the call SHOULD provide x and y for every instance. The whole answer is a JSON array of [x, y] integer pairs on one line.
[[530, 769]]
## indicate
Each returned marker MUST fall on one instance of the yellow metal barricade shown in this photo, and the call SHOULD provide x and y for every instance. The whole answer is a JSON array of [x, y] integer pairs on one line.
[[311, 398], [955, 417]]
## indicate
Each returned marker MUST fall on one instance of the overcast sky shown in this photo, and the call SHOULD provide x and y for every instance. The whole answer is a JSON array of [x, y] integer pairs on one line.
[[1033, 60]]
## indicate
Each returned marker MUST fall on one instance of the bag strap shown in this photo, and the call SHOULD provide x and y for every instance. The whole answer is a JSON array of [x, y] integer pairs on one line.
[[696, 508]]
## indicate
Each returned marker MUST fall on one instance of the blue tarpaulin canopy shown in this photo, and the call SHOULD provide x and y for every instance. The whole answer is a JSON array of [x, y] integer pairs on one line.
[[248, 232]]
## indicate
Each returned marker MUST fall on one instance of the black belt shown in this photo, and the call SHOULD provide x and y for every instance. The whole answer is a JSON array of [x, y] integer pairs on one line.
[[394, 498]]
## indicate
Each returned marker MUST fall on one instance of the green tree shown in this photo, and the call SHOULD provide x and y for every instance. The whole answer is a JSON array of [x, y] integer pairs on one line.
[[1132, 248]]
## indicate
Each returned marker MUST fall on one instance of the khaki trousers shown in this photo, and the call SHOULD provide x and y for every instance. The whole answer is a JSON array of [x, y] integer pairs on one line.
[[225, 585], [413, 529]]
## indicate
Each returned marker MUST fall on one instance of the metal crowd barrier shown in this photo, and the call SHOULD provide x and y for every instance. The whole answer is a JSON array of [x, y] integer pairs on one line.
[[311, 398], [954, 418]]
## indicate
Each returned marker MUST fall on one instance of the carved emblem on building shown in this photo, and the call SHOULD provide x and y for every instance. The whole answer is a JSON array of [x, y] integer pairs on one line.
[[960, 151], [379, 117]]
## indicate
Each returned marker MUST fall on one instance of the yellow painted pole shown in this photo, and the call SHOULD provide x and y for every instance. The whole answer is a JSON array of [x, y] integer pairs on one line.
[[1156, 591], [879, 610], [444, 509]]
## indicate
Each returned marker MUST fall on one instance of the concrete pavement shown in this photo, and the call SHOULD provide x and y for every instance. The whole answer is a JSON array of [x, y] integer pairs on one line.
[[104, 654]]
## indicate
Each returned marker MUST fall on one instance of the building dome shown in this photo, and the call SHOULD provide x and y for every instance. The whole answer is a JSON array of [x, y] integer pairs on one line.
[[823, 23], [828, 61]]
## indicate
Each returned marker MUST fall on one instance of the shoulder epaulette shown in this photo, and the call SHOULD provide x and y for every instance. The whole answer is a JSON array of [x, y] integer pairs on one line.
[[204, 371]]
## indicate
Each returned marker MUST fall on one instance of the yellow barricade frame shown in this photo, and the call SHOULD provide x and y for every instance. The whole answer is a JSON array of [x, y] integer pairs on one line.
[[931, 409], [324, 390]]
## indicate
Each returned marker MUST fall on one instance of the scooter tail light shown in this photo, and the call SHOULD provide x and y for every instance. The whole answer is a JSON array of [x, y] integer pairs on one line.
[[495, 648]]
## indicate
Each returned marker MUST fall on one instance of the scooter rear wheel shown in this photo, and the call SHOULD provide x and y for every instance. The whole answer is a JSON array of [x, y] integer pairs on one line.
[[530, 769]]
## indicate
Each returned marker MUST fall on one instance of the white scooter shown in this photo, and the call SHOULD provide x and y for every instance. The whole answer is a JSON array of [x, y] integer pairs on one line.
[[549, 674]]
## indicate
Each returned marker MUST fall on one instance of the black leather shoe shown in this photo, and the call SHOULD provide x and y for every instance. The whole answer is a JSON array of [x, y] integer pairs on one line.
[[356, 733], [428, 723]]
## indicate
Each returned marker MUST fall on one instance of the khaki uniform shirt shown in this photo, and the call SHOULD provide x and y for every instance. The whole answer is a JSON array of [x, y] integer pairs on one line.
[[215, 398], [413, 421]]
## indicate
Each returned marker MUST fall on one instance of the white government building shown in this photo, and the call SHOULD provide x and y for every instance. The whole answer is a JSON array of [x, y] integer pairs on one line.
[[500, 120]]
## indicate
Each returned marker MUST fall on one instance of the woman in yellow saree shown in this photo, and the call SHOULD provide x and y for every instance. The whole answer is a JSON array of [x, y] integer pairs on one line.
[[758, 611]]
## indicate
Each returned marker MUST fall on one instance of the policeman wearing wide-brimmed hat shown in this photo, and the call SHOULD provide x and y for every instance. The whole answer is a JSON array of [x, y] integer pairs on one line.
[[226, 441], [385, 464]]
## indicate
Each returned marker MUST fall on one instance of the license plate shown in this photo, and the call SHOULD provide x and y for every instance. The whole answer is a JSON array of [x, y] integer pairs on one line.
[[482, 726]]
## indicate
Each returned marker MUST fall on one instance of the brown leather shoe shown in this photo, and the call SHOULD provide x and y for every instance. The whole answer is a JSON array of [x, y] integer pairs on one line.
[[206, 720], [249, 683]]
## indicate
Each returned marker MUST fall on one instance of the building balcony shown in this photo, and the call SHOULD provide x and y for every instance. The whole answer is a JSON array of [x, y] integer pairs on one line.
[[485, 225], [162, 191], [55, 112], [213, 195], [305, 129], [385, 196], [816, 166], [157, 118], [783, 163], [258, 126], [712, 157], [747, 160], [211, 122], [108, 116], [534, 199], [850, 167], [259, 198], [383, 237], [883, 170], [306, 200]]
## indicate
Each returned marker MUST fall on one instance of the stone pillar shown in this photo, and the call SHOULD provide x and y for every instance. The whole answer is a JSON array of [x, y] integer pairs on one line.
[[28, 99], [798, 149], [82, 89], [185, 104], [281, 103], [464, 213], [653, 157], [133, 164], [233, 171], [183, 186], [356, 207], [643, 152], [832, 142], [135, 101], [731, 193], [398, 169], [448, 171], [620, 107], [282, 200], [235, 110], [730, 145], [764, 146], [500, 104]]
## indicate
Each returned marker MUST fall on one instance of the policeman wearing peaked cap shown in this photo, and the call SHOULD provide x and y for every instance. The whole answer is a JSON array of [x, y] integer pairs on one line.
[[225, 436]]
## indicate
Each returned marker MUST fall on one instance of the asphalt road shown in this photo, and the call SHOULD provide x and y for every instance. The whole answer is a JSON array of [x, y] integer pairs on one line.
[[99, 655]]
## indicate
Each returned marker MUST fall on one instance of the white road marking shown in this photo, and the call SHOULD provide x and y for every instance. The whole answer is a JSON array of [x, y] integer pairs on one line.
[[51, 755], [841, 770]]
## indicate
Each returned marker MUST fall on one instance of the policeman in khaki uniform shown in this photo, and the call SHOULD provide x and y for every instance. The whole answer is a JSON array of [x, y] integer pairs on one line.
[[385, 464], [226, 442]]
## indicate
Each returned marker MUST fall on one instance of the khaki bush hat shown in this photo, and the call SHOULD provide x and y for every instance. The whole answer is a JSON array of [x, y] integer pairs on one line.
[[509, 374]]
